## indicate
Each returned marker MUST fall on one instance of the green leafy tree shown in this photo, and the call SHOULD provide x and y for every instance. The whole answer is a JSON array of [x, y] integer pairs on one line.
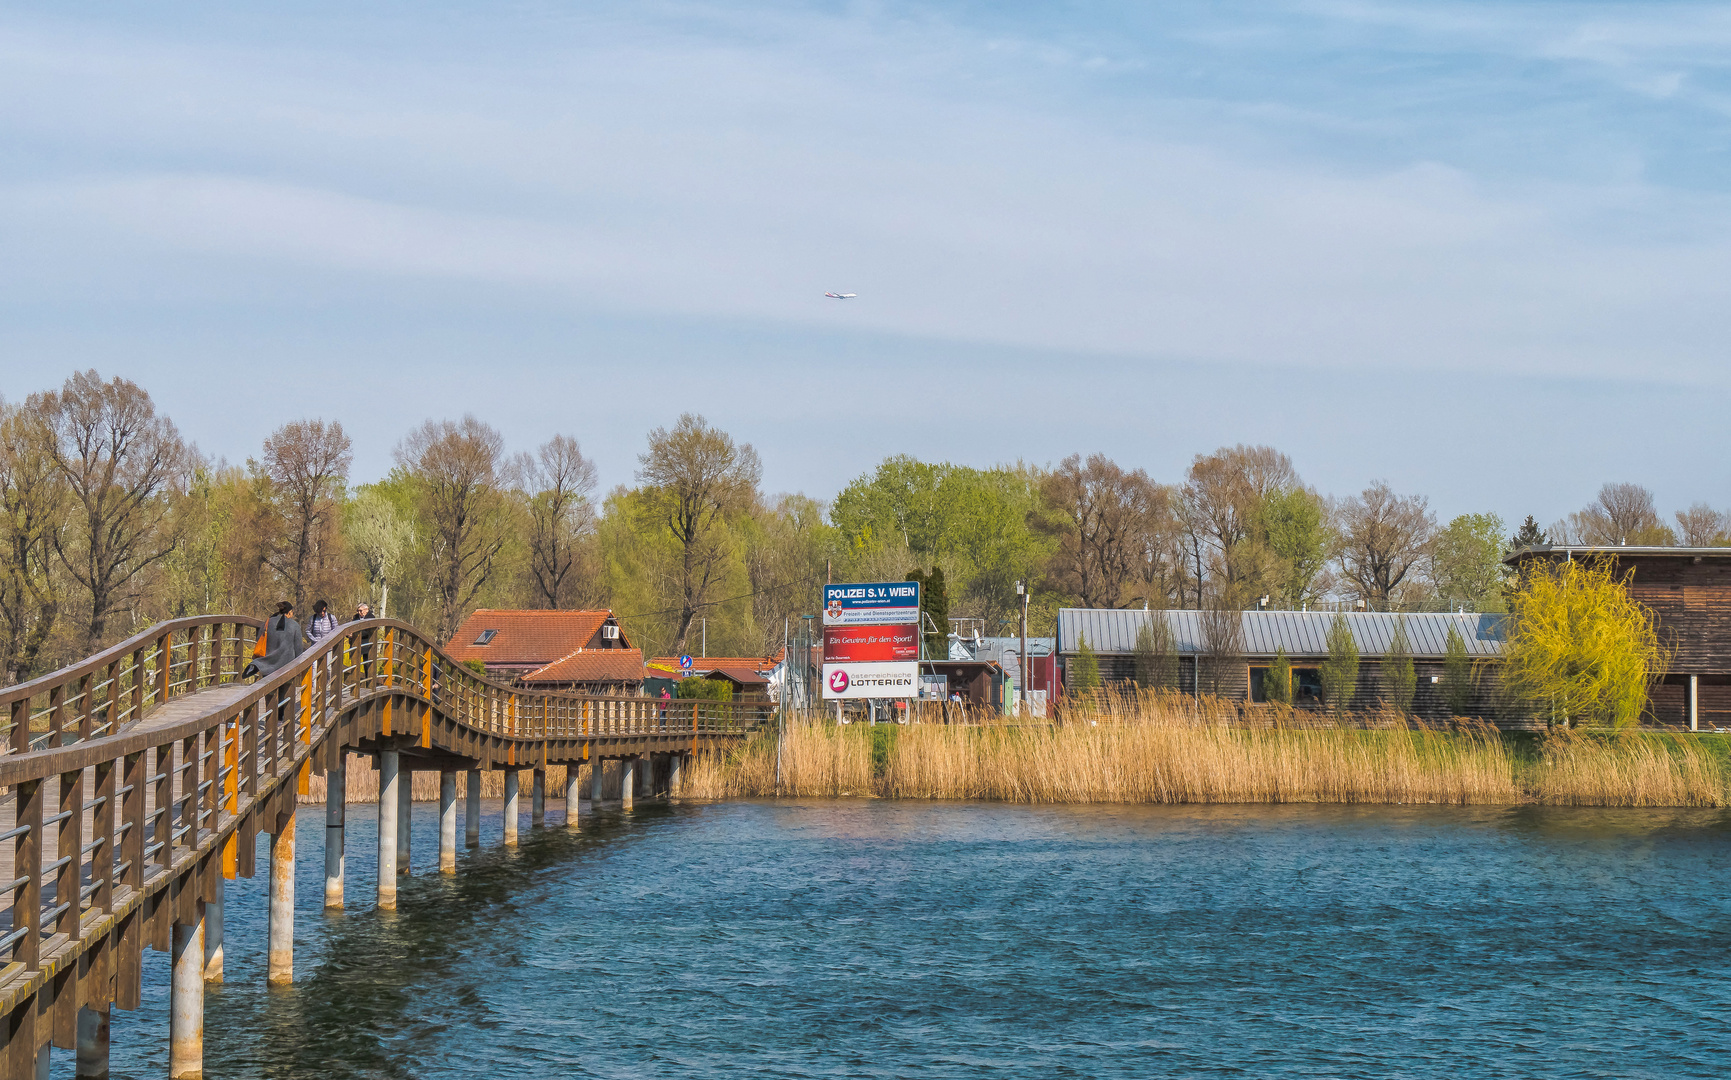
[[1579, 648], [1398, 673], [975, 523], [1467, 562], [1340, 670], [1457, 674], [1084, 670], [1277, 680], [703, 689], [1298, 535]]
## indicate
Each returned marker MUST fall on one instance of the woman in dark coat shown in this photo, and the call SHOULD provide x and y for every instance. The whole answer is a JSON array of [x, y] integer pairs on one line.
[[283, 641]]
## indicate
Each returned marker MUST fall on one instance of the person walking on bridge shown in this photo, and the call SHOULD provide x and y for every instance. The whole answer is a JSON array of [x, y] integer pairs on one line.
[[324, 623], [283, 641]]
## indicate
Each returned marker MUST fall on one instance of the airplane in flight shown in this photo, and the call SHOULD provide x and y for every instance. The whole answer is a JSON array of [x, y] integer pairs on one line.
[[841, 295]]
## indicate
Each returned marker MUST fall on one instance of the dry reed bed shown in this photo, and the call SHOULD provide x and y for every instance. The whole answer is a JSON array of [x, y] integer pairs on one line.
[[1160, 752]]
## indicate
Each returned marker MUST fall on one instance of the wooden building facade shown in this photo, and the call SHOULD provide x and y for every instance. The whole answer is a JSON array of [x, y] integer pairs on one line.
[[1236, 673], [1689, 592]]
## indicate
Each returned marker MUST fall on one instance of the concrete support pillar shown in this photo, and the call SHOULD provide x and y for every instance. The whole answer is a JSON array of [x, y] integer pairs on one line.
[[186, 1001], [627, 782], [44, 1068], [336, 795], [92, 1061], [646, 782], [213, 936], [595, 771], [388, 783], [447, 822], [405, 804], [510, 807], [1694, 703], [538, 800], [282, 903], [472, 817], [573, 793], [675, 763]]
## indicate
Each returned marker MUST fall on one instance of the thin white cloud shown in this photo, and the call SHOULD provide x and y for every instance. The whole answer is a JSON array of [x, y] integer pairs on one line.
[[626, 167]]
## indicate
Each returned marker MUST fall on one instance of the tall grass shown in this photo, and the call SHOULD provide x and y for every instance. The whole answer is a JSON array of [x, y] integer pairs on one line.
[[1153, 750]]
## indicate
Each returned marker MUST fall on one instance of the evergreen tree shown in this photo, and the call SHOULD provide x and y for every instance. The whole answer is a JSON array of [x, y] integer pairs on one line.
[[934, 612], [1084, 670], [1340, 670], [1529, 535], [1277, 680], [1398, 674], [1457, 676]]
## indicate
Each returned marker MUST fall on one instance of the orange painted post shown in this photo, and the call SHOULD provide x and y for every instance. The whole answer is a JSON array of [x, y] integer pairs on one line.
[[231, 794]]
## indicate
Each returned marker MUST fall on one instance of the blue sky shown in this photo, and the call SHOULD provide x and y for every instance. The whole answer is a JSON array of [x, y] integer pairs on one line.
[[1478, 249]]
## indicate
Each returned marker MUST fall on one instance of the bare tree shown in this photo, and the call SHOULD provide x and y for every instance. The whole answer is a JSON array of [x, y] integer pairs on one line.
[[32, 504], [307, 463], [1105, 519], [698, 478], [1622, 514], [1222, 669], [1384, 537], [121, 463], [456, 468], [1703, 526], [561, 516], [1223, 498]]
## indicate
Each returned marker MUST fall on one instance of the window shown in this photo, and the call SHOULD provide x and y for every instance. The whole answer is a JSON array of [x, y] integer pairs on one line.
[[1306, 685], [486, 637]]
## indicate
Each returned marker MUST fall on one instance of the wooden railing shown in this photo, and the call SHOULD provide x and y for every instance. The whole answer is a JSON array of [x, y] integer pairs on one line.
[[106, 692], [158, 797]]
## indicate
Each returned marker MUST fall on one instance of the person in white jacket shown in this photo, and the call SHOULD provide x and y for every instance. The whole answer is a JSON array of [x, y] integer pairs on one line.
[[323, 624]]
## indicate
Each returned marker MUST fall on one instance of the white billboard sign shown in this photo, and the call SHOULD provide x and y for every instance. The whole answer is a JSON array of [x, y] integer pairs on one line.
[[879, 679]]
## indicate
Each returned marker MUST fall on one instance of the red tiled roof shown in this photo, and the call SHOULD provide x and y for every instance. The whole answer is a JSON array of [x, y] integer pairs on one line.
[[592, 666], [527, 637], [742, 675]]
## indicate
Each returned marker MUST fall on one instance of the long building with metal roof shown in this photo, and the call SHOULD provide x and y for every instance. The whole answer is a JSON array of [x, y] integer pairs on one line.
[[1303, 635]]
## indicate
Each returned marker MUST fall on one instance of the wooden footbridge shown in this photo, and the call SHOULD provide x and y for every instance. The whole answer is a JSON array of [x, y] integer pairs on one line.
[[137, 781]]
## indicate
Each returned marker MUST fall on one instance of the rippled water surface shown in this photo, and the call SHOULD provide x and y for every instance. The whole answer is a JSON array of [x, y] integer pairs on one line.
[[882, 939]]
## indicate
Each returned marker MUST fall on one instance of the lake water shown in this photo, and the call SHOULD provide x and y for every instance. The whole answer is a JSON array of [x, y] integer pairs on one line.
[[882, 939]]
